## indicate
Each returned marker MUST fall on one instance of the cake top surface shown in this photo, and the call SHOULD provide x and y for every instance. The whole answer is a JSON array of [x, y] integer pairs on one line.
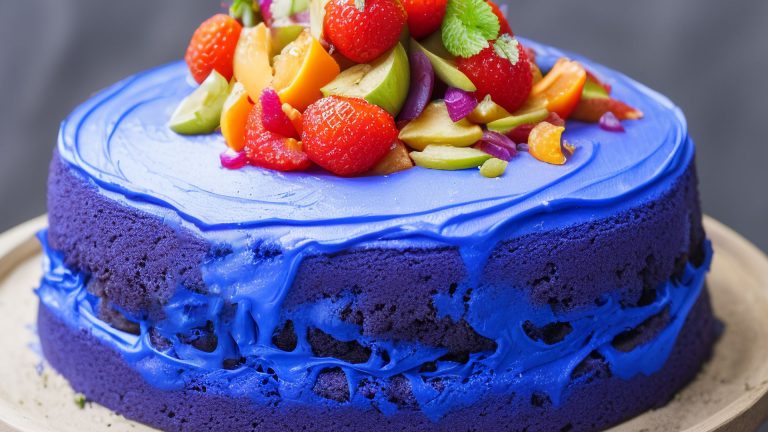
[[120, 139]]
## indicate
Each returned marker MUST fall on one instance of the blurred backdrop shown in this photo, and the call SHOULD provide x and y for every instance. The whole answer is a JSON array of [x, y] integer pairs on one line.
[[709, 57]]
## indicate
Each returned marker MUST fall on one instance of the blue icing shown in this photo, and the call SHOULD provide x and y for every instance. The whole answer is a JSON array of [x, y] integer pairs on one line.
[[271, 221], [520, 364]]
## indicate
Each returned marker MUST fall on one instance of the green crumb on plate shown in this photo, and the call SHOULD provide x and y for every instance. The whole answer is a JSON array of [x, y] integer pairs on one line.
[[493, 168], [80, 400]]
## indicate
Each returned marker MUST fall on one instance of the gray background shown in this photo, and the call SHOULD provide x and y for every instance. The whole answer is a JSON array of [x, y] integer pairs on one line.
[[710, 57]]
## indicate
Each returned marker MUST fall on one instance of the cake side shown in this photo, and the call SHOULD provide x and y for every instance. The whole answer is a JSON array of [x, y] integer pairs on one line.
[[598, 400]]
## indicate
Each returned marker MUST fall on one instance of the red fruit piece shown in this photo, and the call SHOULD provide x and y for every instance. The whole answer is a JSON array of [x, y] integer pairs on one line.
[[424, 16], [504, 27], [365, 33], [502, 70], [590, 110], [273, 117], [347, 136], [270, 150], [520, 134], [213, 47]]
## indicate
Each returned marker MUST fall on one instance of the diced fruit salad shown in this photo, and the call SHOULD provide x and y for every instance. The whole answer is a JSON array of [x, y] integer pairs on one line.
[[373, 87]]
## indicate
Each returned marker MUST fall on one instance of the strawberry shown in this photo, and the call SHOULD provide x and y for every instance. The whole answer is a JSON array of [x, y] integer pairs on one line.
[[362, 30], [270, 150], [213, 47], [504, 27], [502, 71], [347, 136], [424, 16]]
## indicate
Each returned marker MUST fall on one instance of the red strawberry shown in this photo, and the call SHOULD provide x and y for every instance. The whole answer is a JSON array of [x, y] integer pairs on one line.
[[366, 33], [270, 150], [495, 71], [503, 23], [424, 16], [213, 47], [347, 136]]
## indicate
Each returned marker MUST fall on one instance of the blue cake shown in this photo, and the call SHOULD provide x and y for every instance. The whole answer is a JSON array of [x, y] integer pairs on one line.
[[188, 296]]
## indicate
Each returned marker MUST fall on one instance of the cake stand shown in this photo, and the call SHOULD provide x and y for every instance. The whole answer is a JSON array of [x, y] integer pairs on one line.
[[730, 394]]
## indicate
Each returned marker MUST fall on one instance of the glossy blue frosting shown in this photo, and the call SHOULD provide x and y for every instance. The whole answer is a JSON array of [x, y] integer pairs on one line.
[[121, 142]]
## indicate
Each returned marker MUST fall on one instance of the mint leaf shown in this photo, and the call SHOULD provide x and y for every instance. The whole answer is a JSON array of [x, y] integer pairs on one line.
[[507, 47], [468, 26]]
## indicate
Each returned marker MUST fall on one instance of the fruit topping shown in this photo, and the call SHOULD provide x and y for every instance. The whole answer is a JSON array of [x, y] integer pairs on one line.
[[245, 11], [422, 85], [270, 150], [395, 160], [468, 26], [424, 16], [231, 159], [493, 168], [252, 60], [449, 158], [459, 103], [294, 116], [434, 126], [383, 82], [234, 116], [520, 134], [213, 47], [317, 17], [487, 111], [273, 117], [561, 88], [285, 31], [591, 110], [200, 112], [322, 81], [497, 145], [443, 63], [363, 30], [507, 124], [501, 71], [347, 136], [301, 70], [611, 123], [545, 143]]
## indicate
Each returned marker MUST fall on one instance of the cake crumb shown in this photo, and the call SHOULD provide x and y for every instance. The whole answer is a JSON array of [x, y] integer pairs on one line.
[[80, 400]]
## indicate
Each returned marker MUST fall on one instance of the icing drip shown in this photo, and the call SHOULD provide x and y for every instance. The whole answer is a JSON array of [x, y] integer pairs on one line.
[[520, 363]]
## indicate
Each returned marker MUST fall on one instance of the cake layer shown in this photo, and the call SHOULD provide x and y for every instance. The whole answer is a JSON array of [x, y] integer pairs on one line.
[[598, 400], [417, 295]]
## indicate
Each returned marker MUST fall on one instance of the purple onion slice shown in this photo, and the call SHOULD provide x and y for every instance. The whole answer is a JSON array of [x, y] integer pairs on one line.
[[422, 84], [233, 160], [611, 123], [500, 140], [494, 150], [460, 103]]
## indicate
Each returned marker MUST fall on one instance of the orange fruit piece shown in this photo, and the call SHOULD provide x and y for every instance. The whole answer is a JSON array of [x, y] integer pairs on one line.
[[252, 56], [544, 143], [234, 116], [294, 116], [301, 70], [561, 87]]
